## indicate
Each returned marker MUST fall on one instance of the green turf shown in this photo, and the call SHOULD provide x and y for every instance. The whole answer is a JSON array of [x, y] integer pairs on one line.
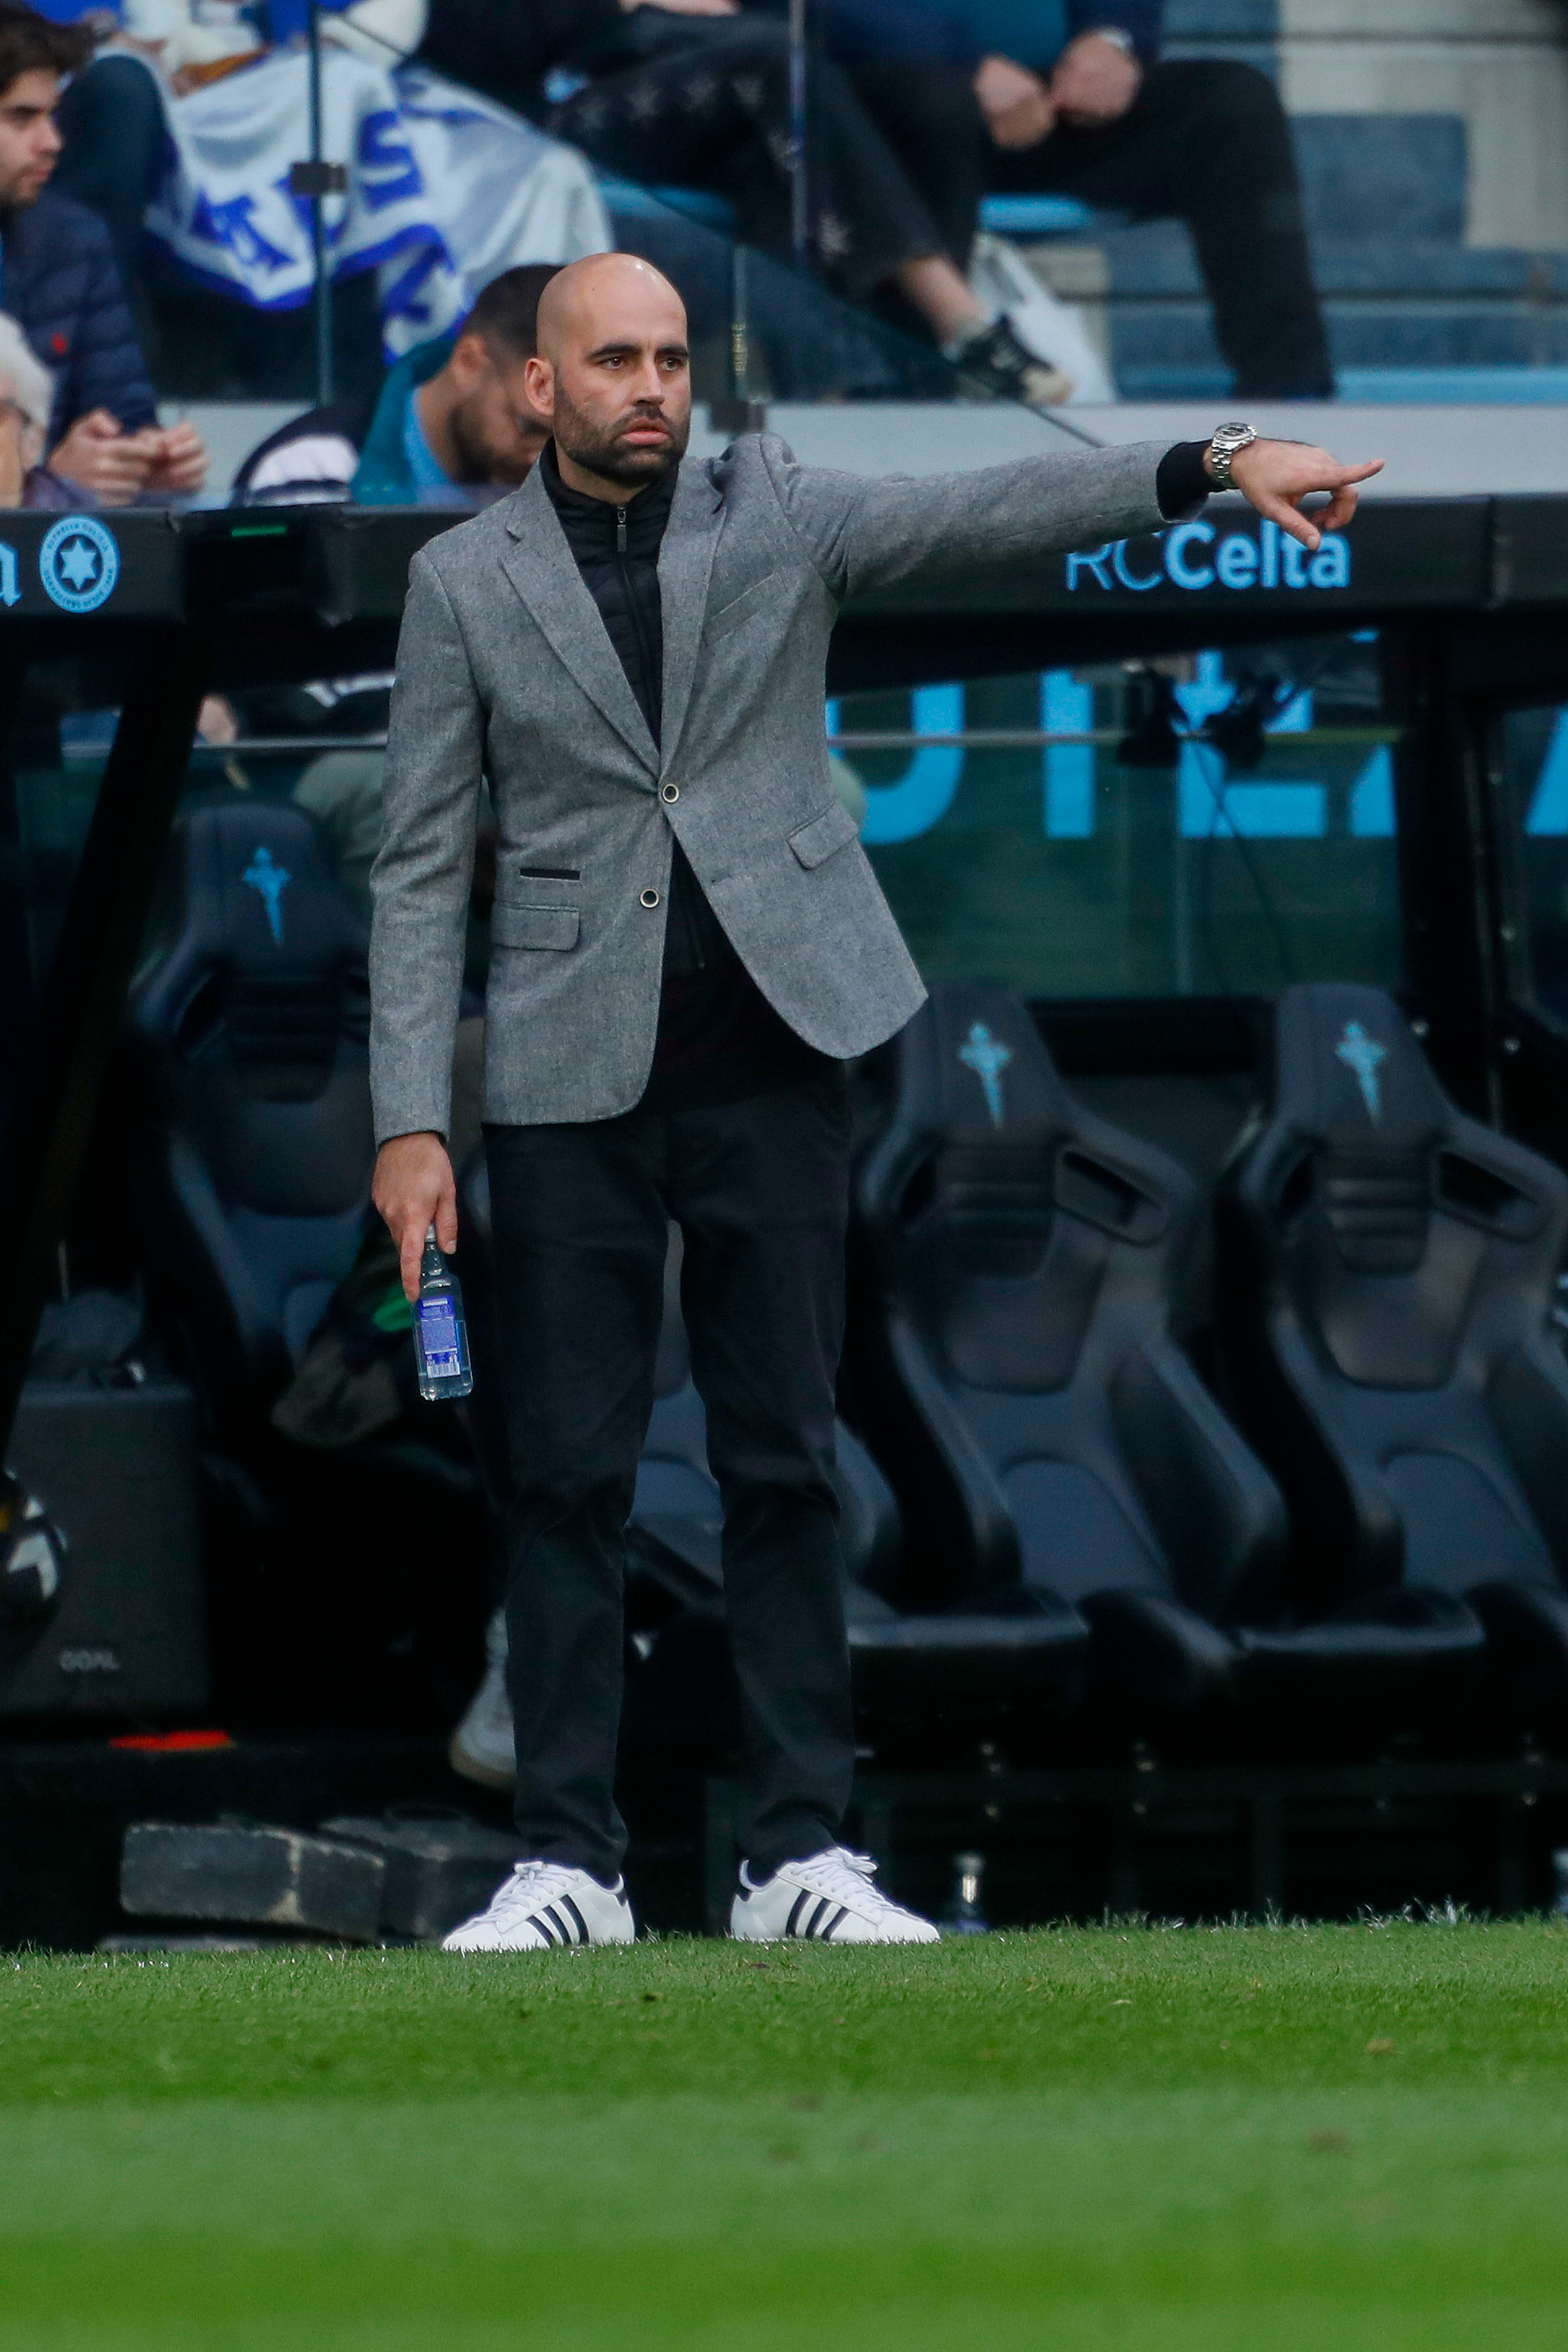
[[1245, 2140]]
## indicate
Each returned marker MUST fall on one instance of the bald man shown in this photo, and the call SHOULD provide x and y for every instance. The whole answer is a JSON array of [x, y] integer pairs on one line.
[[688, 945]]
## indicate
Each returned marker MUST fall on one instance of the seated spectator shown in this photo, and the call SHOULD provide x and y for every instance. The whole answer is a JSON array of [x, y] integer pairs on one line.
[[452, 418], [1104, 119], [61, 286], [26, 397], [454, 415], [696, 93]]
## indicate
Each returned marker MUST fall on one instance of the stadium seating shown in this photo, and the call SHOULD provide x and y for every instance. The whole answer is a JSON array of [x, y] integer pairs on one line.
[[930, 1682], [255, 1144], [1045, 1426], [249, 1145], [1388, 1270]]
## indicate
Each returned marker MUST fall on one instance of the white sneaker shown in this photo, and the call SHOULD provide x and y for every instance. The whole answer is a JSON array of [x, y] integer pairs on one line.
[[829, 1897], [544, 1904], [483, 1748]]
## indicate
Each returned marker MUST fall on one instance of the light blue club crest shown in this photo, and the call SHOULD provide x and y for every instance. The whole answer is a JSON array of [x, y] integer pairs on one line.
[[78, 563], [1363, 1056], [269, 881], [987, 1058]]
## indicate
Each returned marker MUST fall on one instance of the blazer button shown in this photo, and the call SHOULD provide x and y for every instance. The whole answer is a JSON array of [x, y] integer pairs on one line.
[[650, 898], [669, 792]]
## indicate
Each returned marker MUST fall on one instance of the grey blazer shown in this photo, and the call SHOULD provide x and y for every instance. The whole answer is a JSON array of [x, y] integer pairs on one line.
[[505, 667]]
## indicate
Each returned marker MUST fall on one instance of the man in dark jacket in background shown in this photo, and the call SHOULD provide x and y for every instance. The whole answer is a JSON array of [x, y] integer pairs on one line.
[[1070, 98], [58, 281]]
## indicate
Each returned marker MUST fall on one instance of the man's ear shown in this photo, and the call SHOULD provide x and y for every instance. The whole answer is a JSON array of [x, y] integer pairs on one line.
[[470, 361], [538, 377]]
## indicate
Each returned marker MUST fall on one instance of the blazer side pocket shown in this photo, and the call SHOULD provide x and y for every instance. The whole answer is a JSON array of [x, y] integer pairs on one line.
[[820, 835], [534, 927]]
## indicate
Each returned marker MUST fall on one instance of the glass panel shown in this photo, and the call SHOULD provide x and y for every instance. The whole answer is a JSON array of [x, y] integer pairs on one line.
[[1535, 780], [49, 779], [1221, 823]]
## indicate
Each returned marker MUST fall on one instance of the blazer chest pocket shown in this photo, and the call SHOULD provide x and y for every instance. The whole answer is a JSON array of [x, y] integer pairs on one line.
[[820, 835], [533, 926], [739, 610]]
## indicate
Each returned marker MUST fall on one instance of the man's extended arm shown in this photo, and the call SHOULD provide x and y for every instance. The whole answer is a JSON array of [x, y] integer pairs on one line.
[[863, 533], [419, 883]]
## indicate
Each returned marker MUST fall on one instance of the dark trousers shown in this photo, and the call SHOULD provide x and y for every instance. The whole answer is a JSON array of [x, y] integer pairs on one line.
[[1204, 143], [706, 104], [580, 1220]]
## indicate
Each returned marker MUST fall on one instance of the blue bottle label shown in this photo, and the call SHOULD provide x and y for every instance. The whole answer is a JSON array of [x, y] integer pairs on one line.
[[438, 1340]]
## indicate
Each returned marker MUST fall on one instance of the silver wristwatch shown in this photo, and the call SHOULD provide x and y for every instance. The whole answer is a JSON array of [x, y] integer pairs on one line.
[[1223, 447]]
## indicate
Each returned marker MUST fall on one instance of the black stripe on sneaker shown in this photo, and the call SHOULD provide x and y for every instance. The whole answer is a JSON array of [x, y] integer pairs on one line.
[[545, 1930], [559, 1923], [567, 1904], [792, 1925], [841, 1913], [815, 1921]]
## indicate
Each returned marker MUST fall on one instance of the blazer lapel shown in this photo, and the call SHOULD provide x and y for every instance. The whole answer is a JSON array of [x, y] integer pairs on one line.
[[686, 561], [543, 570]]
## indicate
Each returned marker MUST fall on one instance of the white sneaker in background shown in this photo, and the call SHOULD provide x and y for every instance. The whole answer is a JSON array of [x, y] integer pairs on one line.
[[829, 1898], [544, 1904], [1057, 332], [995, 360], [482, 1747]]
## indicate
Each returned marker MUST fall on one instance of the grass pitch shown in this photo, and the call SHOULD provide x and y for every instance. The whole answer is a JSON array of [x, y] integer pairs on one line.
[[1343, 2139]]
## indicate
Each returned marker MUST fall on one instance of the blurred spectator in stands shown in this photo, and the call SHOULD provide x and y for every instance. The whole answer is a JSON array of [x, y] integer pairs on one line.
[[696, 93], [59, 282], [182, 132], [1084, 107], [452, 417], [26, 398]]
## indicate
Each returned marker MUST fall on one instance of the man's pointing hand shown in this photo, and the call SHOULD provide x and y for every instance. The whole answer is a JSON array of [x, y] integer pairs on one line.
[[1276, 475], [414, 1190]]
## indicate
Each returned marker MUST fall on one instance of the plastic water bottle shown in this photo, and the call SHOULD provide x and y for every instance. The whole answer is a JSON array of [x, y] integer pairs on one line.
[[964, 1916], [440, 1332]]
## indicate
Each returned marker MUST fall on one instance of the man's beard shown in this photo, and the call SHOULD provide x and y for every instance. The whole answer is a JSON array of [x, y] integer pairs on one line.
[[25, 189], [599, 449], [477, 461]]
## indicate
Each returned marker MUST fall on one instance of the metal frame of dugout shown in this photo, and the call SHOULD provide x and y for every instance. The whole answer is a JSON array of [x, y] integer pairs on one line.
[[1471, 596]]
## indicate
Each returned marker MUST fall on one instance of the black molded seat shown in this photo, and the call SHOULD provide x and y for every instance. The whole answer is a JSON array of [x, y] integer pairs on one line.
[[1046, 1431], [247, 1124], [929, 1680], [253, 1117], [1389, 1269]]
